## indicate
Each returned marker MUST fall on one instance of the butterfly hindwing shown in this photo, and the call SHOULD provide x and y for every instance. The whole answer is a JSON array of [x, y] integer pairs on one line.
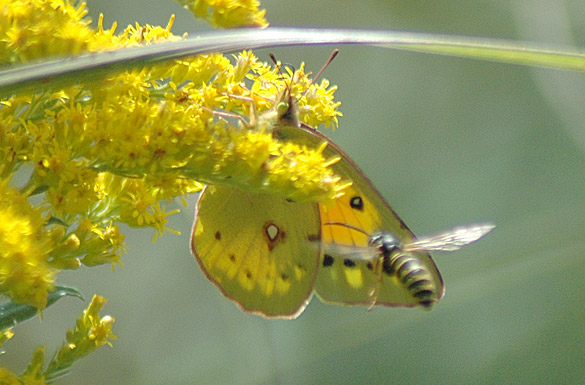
[[258, 249]]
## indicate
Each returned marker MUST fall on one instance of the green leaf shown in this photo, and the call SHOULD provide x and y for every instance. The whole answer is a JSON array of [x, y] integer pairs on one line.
[[12, 314], [56, 73]]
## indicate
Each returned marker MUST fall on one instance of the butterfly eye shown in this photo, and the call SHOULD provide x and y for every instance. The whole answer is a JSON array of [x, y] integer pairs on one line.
[[282, 108]]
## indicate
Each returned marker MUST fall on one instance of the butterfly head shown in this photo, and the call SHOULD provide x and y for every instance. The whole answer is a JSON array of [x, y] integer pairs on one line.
[[286, 111], [286, 108]]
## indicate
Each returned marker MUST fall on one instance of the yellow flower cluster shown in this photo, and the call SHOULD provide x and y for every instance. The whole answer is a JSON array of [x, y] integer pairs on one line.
[[91, 332], [25, 273], [32, 29], [99, 154], [42, 28], [223, 14], [9, 378], [316, 106]]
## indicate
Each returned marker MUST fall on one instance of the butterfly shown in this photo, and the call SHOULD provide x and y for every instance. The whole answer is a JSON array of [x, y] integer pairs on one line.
[[269, 254]]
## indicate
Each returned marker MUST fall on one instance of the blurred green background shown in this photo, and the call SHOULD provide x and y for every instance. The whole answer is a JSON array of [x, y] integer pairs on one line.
[[448, 142]]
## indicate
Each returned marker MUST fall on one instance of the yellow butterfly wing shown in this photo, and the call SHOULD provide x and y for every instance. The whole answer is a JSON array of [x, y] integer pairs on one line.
[[350, 281], [258, 249]]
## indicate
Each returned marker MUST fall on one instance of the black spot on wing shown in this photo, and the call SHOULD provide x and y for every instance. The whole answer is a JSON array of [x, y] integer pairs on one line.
[[328, 260], [313, 238], [348, 263], [271, 231], [273, 234], [357, 203], [218, 235]]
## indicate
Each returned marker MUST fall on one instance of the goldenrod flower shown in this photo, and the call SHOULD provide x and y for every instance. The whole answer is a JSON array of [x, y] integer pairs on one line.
[[232, 13], [315, 101], [31, 29], [34, 374], [5, 335], [91, 331], [25, 273], [98, 154], [8, 378], [105, 153]]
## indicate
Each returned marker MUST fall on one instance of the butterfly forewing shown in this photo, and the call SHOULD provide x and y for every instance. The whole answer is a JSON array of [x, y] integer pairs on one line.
[[381, 284], [256, 249], [357, 281]]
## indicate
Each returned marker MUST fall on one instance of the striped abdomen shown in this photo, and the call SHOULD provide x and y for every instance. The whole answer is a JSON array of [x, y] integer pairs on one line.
[[409, 269]]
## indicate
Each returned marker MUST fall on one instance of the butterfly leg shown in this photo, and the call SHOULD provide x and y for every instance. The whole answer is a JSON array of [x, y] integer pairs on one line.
[[373, 298], [373, 295], [226, 115], [253, 112]]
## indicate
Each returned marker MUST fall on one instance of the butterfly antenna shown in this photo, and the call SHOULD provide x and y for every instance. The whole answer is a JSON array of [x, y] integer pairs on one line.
[[273, 58], [347, 226], [333, 55]]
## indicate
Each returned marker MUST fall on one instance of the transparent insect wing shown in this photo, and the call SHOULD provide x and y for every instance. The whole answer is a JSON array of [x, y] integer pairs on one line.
[[451, 240], [356, 253]]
